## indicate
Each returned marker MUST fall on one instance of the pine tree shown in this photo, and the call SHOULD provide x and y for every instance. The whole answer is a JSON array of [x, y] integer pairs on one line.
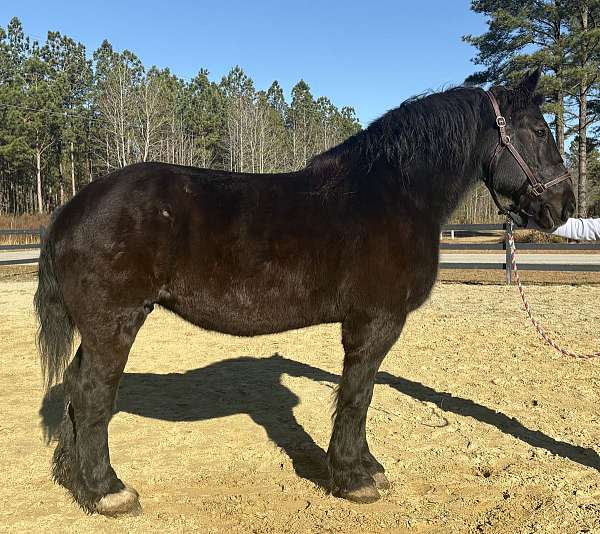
[[583, 74], [302, 122], [525, 34], [205, 118], [65, 118], [72, 73]]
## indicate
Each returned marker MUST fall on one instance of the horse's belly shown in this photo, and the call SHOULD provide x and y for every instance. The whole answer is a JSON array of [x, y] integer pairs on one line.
[[245, 310]]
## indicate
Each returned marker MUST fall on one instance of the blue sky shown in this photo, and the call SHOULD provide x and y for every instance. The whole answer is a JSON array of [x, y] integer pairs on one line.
[[371, 55]]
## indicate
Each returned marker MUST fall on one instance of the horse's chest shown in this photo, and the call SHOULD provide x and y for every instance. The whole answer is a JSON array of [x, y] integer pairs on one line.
[[403, 273]]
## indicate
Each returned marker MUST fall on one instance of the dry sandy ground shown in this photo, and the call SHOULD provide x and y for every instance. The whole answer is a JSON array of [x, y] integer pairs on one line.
[[481, 428]]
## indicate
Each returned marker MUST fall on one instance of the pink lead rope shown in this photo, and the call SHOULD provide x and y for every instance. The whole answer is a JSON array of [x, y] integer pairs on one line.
[[534, 321]]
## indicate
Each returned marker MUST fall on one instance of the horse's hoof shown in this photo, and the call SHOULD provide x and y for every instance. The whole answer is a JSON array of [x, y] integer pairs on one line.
[[381, 481], [124, 502], [365, 495]]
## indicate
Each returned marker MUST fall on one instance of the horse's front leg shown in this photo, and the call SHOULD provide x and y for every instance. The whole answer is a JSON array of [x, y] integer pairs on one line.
[[355, 473]]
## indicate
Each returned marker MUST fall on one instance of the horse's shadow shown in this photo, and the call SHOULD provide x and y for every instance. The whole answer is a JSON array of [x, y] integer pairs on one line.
[[253, 386], [244, 385]]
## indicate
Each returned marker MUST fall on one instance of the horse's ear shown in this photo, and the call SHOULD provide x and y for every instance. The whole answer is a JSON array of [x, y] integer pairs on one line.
[[523, 93]]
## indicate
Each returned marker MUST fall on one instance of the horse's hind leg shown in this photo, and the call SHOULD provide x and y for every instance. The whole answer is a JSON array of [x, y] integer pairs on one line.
[[81, 459], [355, 473]]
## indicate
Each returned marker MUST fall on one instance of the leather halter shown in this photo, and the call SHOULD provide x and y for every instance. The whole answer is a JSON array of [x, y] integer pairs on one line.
[[535, 187]]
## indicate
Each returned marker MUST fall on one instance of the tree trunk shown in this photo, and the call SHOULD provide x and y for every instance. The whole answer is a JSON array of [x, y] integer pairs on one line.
[[582, 154], [62, 180], [582, 98], [107, 155], [72, 170], [559, 124], [38, 167]]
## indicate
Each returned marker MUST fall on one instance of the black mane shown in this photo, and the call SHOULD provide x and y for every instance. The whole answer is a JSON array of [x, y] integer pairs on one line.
[[426, 131]]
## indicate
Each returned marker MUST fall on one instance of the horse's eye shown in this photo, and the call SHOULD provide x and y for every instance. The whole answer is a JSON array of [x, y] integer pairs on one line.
[[540, 133]]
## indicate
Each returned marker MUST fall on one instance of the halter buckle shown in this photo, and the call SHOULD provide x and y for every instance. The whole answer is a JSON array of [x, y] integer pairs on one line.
[[538, 189], [501, 122]]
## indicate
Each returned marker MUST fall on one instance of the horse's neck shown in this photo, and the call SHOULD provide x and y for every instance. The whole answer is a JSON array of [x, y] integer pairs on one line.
[[440, 188], [433, 193], [427, 182]]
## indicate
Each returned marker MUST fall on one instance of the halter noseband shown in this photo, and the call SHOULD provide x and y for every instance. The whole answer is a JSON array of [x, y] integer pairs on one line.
[[535, 187]]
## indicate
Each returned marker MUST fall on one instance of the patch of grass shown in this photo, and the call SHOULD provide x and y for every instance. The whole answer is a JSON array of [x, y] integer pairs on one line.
[[535, 236], [26, 221]]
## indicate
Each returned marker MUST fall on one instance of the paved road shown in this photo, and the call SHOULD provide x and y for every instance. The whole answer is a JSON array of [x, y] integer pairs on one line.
[[448, 257], [549, 258], [32, 255]]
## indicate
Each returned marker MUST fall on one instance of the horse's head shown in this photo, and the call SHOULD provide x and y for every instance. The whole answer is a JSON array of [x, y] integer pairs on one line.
[[523, 162]]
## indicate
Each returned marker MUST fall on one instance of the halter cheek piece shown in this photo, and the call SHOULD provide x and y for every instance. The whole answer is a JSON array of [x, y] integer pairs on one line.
[[535, 187]]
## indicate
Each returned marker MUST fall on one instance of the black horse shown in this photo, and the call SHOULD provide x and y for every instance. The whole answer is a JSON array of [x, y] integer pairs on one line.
[[352, 238]]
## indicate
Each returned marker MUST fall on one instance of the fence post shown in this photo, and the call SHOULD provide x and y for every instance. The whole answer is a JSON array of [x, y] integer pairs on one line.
[[508, 261]]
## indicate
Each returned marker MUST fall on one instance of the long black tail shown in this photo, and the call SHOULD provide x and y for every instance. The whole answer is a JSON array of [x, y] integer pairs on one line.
[[56, 329]]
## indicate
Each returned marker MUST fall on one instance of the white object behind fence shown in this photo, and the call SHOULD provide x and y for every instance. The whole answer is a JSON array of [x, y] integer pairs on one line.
[[580, 229]]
